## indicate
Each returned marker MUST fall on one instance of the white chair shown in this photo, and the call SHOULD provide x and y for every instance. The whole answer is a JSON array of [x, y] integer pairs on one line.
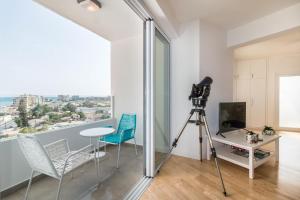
[[54, 160]]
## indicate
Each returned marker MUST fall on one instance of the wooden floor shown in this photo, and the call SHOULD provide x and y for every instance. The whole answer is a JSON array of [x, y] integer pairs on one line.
[[184, 178]]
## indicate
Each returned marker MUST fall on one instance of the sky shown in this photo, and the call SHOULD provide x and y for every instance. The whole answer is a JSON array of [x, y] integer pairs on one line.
[[42, 53]]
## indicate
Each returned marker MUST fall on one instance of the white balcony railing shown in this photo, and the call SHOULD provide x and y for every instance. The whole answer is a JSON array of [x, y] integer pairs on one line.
[[13, 166]]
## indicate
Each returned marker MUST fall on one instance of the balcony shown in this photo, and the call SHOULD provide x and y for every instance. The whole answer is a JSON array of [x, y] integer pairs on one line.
[[15, 170], [126, 85]]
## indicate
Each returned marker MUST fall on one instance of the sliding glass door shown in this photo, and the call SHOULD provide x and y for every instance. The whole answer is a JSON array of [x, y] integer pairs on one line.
[[161, 97], [157, 92]]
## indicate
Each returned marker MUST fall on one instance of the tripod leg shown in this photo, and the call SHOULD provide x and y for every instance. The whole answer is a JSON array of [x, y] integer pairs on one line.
[[200, 134], [174, 144], [213, 151]]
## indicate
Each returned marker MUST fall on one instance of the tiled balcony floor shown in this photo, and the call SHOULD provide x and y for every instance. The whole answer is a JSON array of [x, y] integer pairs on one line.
[[115, 183]]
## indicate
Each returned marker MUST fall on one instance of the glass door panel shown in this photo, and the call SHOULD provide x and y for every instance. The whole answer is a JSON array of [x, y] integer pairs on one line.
[[289, 104], [161, 98]]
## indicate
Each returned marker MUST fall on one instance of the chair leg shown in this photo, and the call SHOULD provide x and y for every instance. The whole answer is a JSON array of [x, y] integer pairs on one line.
[[118, 155], [136, 153], [97, 167], [59, 187], [29, 185]]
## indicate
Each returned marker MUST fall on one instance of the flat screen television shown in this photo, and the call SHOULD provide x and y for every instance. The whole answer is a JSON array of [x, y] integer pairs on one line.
[[232, 116]]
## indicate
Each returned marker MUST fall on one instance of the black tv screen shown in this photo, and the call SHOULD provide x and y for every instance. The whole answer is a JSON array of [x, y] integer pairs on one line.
[[232, 116]]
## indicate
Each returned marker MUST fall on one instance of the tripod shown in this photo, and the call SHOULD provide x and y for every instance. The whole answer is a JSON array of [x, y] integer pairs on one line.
[[201, 121]]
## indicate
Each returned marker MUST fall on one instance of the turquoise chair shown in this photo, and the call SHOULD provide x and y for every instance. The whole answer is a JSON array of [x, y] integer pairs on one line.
[[125, 132]]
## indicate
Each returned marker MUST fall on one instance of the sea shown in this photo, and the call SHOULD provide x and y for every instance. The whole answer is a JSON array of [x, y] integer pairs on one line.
[[8, 101]]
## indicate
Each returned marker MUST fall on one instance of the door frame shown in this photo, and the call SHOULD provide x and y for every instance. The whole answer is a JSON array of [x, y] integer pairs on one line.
[[277, 101], [150, 28], [149, 57]]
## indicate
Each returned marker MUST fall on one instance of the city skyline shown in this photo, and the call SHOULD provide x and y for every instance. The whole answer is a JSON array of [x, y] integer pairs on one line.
[[53, 57], [53, 95]]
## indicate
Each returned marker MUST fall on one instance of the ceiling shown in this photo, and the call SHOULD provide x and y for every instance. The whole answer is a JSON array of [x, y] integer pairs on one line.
[[225, 13], [114, 21], [286, 43]]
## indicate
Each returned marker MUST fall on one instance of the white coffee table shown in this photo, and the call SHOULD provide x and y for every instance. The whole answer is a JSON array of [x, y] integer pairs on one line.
[[238, 139]]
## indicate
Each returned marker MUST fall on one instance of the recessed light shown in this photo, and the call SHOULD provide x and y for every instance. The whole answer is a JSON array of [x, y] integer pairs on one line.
[[90, 5]]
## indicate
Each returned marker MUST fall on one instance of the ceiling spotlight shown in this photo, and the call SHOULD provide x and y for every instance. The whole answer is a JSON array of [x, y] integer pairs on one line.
[[90, 5]]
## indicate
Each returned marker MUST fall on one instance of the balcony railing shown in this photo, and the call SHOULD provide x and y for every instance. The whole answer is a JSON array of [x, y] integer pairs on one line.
[[14, 168]]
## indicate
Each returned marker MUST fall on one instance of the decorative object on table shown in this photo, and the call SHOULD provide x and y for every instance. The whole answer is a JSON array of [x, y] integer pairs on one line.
[[258, 153], [240, 152], [252, 137], [260, 137], [125, 132], [268, 130], [261, 154]]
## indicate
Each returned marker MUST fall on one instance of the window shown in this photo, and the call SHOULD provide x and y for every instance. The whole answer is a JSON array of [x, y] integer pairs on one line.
[[289, 104], [54, 73]]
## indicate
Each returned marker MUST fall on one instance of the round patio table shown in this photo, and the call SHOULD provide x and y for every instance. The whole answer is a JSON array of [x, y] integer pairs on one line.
[[97, 132]]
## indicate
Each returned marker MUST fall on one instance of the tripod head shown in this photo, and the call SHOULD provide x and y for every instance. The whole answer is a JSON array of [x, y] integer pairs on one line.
[[200, 92]]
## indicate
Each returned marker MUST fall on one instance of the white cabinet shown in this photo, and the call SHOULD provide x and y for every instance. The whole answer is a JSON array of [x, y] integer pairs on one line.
[[250, 86], [258, 104], [258, 68]]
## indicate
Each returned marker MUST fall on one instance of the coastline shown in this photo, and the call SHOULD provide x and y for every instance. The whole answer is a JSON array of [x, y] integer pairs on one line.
[[6, 101]]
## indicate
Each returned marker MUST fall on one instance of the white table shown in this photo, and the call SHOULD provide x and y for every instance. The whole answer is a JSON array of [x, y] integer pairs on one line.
[[238, 139], [98, 133]]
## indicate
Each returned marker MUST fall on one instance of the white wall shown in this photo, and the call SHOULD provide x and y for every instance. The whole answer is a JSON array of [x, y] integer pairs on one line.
[[14, 169], [216, 61], [127, 79], [198, 52], [184, 72], [283, 20]]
